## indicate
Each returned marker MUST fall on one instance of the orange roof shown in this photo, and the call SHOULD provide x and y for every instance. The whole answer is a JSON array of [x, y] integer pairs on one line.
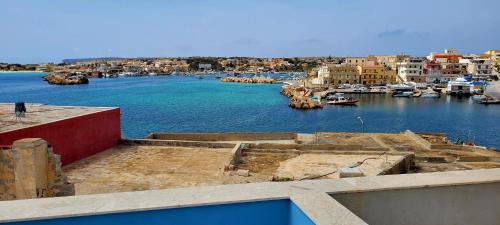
[[447, 56]]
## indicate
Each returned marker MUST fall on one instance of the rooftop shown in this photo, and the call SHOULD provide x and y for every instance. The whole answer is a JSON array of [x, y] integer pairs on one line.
[[172, 160], [37, 114]]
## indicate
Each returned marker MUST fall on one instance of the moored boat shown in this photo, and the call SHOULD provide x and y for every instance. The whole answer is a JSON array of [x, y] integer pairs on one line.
[[343, 101], [430, 94], [407, 94]]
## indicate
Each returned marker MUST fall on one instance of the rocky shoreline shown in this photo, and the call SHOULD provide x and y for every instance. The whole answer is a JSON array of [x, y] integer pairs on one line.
[[300, 98], [255, 80], [62, 79]]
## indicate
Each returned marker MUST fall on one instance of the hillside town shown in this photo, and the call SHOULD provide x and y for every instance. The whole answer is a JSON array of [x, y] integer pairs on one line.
[[436, 68]]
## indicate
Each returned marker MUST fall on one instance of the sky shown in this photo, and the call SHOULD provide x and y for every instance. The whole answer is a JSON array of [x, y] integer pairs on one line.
[[37, 31]]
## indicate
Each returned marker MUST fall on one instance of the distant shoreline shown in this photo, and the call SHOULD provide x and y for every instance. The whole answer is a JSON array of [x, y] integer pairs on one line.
[[23, 71]]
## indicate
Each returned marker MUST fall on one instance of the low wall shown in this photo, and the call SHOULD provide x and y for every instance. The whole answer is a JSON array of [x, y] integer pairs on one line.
[[452, 147], [316, 147], [404, 165], [154, 142], [236, 154], [74, 138], [229, 136], [448, 205]]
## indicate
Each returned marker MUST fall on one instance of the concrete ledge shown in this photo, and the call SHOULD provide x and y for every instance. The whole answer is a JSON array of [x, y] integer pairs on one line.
[[227, 136], [452, 147], [321, 207], [34, 209], [419, 140], [153, 142], [305, 147]]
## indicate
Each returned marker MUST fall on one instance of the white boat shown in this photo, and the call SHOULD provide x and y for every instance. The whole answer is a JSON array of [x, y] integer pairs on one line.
[[460, 87], [343, 101], [429, 95], [407, 94]]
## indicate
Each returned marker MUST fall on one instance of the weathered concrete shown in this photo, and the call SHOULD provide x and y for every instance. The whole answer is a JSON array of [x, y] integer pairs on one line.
[[31, 160], [7, 177], [419, 140], [137, 168]]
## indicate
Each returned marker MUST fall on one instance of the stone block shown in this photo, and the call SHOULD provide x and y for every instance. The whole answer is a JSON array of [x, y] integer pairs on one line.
[[243, 173], [31, 164], [350, 172]]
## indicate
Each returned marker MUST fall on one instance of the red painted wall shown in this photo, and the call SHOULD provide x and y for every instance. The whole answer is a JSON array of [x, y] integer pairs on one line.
[[74, 138]]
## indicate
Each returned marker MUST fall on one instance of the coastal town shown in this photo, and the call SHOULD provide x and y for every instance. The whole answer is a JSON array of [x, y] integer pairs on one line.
[[319, 78]]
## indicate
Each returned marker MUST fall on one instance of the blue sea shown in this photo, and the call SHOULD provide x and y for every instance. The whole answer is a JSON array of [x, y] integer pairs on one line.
[[182, 104]]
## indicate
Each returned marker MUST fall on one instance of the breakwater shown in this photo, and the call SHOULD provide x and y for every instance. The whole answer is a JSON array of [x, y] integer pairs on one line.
[[300, 98], [255, 80]]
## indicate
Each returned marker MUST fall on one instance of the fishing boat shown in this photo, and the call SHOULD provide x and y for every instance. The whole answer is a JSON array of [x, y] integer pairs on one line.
[[343, 101]]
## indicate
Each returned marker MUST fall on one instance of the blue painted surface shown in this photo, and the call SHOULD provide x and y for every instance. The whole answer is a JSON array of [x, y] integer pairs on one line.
[[275, 212], [297, 216], [188, 104]]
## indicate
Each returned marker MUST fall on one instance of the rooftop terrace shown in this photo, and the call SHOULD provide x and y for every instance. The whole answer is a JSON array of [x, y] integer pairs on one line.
[[37, 114], [172, 160]]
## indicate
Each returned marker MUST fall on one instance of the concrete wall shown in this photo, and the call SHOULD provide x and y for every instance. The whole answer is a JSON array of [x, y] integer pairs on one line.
[[229, 136], [454, 205], [154, 142], [74, 138]]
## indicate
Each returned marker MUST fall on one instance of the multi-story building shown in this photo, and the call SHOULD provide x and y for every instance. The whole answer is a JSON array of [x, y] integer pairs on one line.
[[355, 61], [391, 61], [411, 70], [479, 68], [343, 74], [322, 78], [376, 75]]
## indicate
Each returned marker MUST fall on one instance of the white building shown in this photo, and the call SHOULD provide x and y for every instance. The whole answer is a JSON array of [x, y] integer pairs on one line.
[[323, 74], [411, 70], [479, 68]]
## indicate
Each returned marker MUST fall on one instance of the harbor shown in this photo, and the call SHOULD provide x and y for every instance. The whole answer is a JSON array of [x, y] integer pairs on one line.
[[166, 103]]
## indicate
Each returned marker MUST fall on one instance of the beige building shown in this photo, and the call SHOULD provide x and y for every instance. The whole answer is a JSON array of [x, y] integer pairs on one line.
[[391, 61], [355, 61], [343, 74], [376, 75]]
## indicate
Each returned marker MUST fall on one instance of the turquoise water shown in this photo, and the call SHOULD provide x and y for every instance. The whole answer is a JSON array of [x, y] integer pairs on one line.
[[275, 212], [170, 103]]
